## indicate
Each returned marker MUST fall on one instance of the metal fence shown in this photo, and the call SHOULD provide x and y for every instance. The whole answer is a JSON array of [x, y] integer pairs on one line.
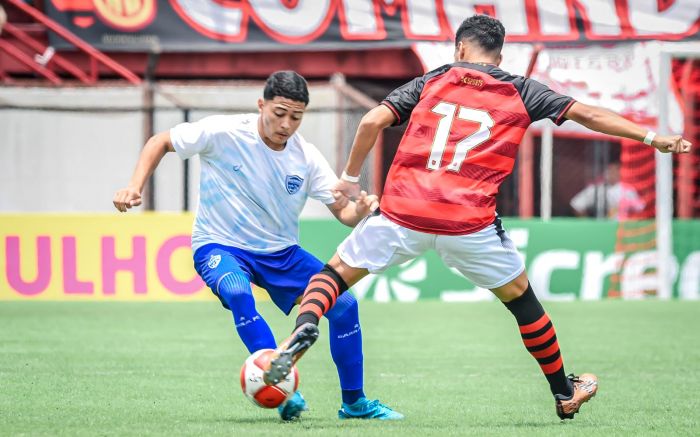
[[69, 149]]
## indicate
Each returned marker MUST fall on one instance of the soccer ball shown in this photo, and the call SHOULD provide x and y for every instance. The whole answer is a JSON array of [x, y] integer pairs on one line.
[[266, 396]]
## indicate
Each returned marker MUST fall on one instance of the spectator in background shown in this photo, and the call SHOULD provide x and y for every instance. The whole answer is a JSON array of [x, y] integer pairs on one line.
[[608, 197]]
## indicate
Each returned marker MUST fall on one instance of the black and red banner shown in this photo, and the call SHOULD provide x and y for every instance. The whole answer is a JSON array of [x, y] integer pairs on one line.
[[274, 25]]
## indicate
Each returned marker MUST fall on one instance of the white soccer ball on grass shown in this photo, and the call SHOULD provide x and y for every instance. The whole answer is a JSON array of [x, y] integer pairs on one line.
[[262, 395]]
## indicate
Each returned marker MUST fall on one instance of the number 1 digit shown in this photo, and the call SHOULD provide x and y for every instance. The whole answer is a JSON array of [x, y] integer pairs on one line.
[[447, 112]]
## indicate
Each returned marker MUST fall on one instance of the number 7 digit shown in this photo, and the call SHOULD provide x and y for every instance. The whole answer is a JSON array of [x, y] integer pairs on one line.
[[447, 111]]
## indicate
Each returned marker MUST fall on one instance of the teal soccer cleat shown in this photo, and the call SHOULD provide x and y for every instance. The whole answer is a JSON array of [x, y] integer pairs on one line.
[[363, 408], [291, 410]]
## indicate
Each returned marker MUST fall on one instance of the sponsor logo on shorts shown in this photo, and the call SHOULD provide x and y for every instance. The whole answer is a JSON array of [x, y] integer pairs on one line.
[[214, 261]]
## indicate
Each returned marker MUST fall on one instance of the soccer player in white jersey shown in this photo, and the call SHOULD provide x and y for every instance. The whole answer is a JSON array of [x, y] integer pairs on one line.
[[256, 174]]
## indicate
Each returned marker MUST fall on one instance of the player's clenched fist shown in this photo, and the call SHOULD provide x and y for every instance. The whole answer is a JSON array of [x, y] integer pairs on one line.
[[126, 198], [672, 144]]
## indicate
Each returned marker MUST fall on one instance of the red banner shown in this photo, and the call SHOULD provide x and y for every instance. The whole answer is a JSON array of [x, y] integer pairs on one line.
[[255, 25]]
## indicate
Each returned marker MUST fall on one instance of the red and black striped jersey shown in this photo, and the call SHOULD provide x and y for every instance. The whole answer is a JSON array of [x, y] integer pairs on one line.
[[465, 123]]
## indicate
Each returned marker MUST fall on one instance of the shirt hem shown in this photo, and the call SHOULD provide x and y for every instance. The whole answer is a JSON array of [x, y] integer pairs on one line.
[[400, 222], [196, 246]]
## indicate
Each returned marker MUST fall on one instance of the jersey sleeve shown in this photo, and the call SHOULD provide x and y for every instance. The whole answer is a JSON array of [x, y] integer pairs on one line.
[[541, 102], [190, 139], [403, 99], [322, 179]]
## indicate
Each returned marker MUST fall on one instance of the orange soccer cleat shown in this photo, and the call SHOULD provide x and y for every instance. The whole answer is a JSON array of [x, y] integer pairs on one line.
[[585, 387]]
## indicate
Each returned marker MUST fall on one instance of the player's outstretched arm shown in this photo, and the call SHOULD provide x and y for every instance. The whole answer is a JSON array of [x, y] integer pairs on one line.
[[371, 124], [608, 122], [151, 154]]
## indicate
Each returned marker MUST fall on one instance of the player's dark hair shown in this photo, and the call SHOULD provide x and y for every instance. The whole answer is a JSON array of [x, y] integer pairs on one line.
[[288, 84], [485, 31]]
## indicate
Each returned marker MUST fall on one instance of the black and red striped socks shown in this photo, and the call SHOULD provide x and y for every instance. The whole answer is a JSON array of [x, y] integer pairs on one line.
[[540, 339], [320, 295]]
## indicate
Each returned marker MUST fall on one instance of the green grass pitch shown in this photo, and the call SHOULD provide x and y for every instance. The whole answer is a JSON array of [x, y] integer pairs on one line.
[[452, 369]]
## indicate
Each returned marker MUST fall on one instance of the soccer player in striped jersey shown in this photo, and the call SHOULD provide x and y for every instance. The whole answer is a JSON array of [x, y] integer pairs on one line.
[[256, 175], [465, 123]]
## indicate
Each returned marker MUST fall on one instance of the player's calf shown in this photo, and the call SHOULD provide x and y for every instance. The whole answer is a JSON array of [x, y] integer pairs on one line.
[[320, 295]]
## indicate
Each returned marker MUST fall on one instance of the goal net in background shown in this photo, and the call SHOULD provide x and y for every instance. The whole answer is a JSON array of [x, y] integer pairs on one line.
[[685, 70], [652, 240], [352, 106], [636, 231]]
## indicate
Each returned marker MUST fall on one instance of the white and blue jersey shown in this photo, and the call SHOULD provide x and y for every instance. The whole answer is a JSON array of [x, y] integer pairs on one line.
[[250, 196]]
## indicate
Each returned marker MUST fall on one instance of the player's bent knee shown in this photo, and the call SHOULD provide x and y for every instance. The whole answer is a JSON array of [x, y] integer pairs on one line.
[[336, 276], [513, 289], [350, 275], [233, 290]]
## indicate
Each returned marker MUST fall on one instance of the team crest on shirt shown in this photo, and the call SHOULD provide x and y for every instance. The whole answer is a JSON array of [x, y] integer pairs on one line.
[[293, 183], [214, 261]]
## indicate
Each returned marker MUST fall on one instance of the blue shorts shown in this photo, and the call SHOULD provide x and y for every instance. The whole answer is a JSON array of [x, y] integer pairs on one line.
[[284, 274]]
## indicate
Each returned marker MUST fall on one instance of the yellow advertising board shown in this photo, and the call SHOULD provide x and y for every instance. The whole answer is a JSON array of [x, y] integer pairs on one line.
[[129, 257]]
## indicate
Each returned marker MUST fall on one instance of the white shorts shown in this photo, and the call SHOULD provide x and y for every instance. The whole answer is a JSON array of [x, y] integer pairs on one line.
[[488, 258]]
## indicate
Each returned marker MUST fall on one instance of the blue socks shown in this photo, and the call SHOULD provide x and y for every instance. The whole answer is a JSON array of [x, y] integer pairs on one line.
[[352, 396], [234, 289], [346, 346]]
